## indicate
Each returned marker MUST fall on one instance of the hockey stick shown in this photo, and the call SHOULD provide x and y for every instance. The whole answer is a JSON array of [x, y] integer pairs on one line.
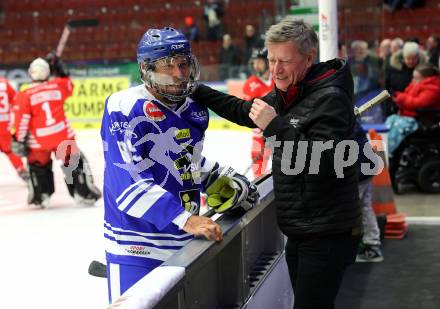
[[381, 97], [67, 28]]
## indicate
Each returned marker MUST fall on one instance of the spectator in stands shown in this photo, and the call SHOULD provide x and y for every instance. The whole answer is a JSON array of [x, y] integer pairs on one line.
[[212, 14], [396, 45], [433, 50], [229, 59], [385, 49], [384, 56], [252, 42], [365, 69], [369, 247], [393, 5], [342, 51], [402, 64], [191, 30], [422, 92], [317, 211]]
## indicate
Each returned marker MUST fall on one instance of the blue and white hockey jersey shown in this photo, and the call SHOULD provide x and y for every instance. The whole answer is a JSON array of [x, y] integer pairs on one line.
[[153, 171]]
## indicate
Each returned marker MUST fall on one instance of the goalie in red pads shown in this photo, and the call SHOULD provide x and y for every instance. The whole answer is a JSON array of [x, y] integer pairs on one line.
[[42, 129]]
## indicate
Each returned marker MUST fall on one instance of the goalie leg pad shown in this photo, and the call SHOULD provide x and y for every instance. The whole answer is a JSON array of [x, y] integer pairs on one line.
[[41, 183], [81, 183]]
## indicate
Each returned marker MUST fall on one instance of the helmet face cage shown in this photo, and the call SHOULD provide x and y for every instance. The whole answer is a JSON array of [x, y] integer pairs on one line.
[[158, 75], [163, 52]]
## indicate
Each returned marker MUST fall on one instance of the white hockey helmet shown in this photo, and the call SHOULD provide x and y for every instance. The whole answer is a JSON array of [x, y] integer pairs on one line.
[[39, 70]]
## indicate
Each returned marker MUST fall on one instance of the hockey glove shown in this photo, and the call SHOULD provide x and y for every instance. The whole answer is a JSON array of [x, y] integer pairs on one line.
[[19, 148], [57, 67], [229, 193]]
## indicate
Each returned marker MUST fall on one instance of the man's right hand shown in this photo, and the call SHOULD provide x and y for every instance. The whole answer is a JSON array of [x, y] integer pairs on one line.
[[203, 226], [262, 113]]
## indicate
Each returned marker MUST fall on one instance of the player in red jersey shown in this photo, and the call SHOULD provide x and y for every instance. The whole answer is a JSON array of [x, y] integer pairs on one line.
[[256, 86], [42, 129], [7, 94]]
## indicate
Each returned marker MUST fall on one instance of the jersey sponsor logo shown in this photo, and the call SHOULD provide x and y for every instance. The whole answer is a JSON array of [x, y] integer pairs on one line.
[[183, 133], [193, 176], [60, 126], [185, 162], [200, 115], [190, 200], [188, 165], [153, 112], [182, 163], [186, 176], [34, 88], [45, 96], [121, 127], [138, 250], [177, 46]]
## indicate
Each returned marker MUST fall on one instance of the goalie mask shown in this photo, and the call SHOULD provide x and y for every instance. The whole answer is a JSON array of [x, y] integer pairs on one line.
[[166, 64]]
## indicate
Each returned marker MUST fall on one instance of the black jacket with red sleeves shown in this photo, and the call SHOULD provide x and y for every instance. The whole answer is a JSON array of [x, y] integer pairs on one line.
[[322, 197]]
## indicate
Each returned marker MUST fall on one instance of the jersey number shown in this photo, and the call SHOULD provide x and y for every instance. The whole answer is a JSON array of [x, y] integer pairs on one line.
[[49, 119], [126, 149], [4, 102]]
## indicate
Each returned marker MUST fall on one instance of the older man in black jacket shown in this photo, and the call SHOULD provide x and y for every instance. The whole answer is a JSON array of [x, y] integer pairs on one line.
[[309, 118]]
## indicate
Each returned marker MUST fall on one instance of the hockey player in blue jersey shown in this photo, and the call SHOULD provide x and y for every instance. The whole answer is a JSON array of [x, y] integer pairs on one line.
[[153, 137]]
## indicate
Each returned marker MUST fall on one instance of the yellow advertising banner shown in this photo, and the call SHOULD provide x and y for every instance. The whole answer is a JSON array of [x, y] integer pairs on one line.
[[85, 107]]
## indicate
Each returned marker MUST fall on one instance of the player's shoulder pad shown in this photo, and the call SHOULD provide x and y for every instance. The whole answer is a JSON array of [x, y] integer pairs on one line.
[[123, 101]]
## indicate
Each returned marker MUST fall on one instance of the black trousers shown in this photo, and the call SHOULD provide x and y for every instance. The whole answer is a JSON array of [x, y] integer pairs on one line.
[[316, 267]]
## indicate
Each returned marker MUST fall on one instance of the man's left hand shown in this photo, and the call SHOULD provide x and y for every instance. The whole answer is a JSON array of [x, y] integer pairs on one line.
[[262, 113]]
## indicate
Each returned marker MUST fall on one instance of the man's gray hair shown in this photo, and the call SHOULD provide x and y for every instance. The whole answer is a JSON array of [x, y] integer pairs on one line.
[[290, 29], [360, 44]]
